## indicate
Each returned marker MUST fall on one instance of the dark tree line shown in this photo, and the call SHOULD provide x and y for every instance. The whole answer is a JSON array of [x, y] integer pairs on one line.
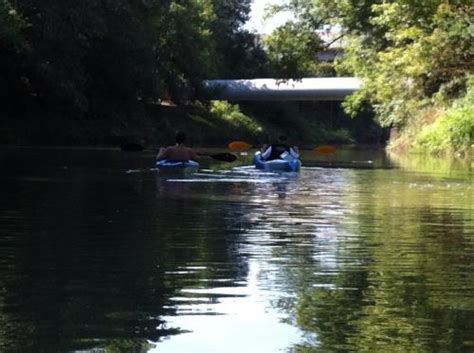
[[90, 56]]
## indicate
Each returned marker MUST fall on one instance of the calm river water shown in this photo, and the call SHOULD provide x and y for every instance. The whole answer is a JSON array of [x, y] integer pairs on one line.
[[99, 253]]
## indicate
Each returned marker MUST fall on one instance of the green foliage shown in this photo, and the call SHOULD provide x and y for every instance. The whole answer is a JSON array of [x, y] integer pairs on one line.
[[310, 123], [412, 56], [232, 114], [127, 346], [453, 131], [12, 26], [86, 55], [13, 44], [186, 51], [103, 59], [424, 60], [291, 50], [238, 53]]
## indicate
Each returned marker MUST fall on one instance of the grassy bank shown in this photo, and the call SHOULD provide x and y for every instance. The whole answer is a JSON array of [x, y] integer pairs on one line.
[[441, 131]]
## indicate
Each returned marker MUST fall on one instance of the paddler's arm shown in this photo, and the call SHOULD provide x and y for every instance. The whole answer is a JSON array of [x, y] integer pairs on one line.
[[294, 152], [267, 152], [162, 154], [193, 154]]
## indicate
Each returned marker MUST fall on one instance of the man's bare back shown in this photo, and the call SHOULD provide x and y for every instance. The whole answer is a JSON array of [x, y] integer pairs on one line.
[[177, 152]]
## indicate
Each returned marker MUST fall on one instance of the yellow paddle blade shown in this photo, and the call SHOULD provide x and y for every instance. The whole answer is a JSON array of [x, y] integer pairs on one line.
[[239, 146], [325, 149]]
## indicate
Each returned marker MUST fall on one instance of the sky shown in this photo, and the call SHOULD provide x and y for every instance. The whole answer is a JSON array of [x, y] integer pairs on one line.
[[256, 22]]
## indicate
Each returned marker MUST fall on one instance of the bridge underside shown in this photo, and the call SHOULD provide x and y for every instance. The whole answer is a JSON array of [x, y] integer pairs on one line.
[[306, 89]]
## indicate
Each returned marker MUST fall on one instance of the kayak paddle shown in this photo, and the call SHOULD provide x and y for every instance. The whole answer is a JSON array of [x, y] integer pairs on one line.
[[324, 149], [132, 147], [224, 157], [240, 146]]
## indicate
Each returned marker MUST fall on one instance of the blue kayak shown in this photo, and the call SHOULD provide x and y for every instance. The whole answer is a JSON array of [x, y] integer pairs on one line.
[[177, 167], [289, 164]]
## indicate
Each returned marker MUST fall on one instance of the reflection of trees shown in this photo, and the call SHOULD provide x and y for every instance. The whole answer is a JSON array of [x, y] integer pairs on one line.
[[87, 261], [127, 346], [82, 273], [412, 291], [331, 313], [298, 228], [418, 300]]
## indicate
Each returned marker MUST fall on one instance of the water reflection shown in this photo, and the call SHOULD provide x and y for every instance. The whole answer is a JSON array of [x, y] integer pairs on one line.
[[97, 251], [236, 319]]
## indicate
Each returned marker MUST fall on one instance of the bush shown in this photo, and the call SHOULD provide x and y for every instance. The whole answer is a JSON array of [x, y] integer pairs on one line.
[[453, 132], [231, 113]]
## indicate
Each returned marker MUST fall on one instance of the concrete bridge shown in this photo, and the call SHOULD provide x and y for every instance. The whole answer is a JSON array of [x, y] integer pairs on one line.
[[267, 89]]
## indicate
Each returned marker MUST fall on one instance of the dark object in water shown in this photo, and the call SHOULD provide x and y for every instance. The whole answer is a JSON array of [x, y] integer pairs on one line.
[[131, 146], [224, 157]]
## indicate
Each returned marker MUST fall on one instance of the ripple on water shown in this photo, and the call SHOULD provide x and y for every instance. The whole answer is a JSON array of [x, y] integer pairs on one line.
[[240, 260]]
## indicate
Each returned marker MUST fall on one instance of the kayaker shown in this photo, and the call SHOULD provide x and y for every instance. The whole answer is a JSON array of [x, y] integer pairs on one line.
[[178, 152], [275, 150]]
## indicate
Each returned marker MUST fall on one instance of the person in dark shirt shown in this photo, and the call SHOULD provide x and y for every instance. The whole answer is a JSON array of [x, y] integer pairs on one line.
[[275, 150]]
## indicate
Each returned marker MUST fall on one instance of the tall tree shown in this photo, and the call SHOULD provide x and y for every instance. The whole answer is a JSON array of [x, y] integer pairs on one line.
[[87, 55], [240, 54]]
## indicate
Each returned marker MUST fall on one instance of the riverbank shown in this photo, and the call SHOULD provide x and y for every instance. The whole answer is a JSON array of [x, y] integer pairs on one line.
[[212, 124], [447, 132]]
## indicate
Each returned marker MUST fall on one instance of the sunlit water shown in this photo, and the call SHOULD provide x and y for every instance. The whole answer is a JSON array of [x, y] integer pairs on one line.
[[99, 253]]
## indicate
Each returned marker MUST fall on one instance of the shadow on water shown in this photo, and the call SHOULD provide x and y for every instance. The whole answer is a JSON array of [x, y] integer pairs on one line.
[[86, 250], [97, 251]]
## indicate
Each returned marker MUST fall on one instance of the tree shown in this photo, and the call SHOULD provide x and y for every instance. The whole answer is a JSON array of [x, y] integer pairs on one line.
[[292, 50], [424, 59], [239, 54], [415, 58], [86, 56]]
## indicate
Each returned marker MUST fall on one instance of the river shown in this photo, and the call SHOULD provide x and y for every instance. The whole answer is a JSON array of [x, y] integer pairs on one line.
[[359, 252]]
